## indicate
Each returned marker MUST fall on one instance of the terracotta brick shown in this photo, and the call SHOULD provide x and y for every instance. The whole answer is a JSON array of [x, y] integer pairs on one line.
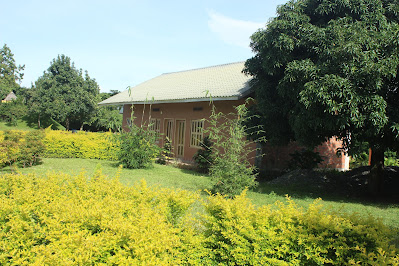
[[274, 157]]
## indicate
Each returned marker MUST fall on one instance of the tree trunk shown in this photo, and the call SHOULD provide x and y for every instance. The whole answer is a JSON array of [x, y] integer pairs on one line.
[[67, 124], [38, 122], [376, 178]]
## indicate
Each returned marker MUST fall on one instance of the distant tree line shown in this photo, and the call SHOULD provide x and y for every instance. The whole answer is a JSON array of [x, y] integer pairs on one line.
[[63, 94]]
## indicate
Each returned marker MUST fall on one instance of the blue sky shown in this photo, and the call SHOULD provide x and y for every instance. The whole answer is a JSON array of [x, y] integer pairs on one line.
[[123, 43]]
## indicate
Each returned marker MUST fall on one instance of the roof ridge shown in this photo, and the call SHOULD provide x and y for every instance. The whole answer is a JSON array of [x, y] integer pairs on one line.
[[200, 68]]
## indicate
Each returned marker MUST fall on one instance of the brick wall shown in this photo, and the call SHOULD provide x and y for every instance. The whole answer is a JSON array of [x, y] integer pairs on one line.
[[274, 157], [278, 157]]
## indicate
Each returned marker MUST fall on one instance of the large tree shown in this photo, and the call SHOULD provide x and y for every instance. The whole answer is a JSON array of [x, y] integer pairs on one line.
[[325, 68], [65, 94], [10, 73]]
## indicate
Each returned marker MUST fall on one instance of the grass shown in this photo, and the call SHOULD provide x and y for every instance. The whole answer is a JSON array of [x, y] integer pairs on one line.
[[26, 124], [21, 125], [168, 176]]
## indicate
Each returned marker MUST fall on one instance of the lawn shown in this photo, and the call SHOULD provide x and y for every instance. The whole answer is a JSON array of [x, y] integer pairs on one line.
[[26, 124], [20, 125], [168, 176]]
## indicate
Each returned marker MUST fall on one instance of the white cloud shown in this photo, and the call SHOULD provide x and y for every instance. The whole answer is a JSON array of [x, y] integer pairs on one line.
[[232, 31]]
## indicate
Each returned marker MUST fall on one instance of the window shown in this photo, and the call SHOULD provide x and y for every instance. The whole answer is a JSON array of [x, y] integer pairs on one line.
[[169, 129], [196, 133], [155, 125]]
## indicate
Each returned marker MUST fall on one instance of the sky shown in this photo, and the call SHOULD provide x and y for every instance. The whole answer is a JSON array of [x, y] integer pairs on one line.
[[123, 43]]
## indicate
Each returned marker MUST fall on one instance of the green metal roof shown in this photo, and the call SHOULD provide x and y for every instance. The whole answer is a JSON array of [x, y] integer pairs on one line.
[[222, 82]]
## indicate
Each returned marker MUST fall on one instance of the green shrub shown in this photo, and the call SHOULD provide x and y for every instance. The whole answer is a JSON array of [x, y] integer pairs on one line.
[[32, 148], [230, 170], [362, 159], [391, 158], [203, 157], [238, 233], [305, 159], [88, 145], [165, 154], [12, 111], [137, 148], [23, 148], [60, 219], [358, 160], [75, 220]]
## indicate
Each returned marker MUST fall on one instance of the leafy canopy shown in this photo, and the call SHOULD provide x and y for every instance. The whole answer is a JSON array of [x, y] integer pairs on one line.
[[65, 94], [325, 68], [10, 74]]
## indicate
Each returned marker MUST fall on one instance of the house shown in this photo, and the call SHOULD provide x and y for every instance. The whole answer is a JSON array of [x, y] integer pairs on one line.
[[10, 97], [178, 104]]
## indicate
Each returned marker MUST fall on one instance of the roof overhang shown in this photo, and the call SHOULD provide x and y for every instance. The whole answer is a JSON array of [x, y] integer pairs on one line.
[[231, 98]]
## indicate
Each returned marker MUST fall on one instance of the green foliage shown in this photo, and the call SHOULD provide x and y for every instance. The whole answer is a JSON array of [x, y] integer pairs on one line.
[[166, 153], [10, 74], [12, 111], [137, 147], [60, 219], [64, 94], [325, 68], [391, 158], [107, 117], [23, 148], [89, 145], [203, 157], [238, 233], [305, 159], [230, 171], [362, 159]]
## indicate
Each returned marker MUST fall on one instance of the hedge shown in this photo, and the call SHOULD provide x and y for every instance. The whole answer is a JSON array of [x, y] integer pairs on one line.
[[88, 145], [78, 220], [66, 144]]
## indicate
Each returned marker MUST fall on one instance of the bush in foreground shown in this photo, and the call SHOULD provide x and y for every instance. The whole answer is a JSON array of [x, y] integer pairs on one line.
[[64, 220], [61, 219]]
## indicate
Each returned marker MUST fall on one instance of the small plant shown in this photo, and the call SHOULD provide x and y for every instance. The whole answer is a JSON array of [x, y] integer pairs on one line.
[[137, 147], [360, 159], [230, 170], [391, 158], [166, 153], [203, 157], [305, 159]]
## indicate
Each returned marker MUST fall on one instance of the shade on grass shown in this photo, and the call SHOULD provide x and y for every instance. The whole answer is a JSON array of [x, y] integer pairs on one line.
[[171, 177]]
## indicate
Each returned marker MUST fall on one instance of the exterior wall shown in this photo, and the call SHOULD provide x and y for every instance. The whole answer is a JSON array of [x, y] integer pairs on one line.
[[274, 157], [179, 112], [278, 157]]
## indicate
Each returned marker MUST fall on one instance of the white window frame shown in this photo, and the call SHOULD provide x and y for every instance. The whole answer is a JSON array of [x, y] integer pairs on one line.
[[155, 125], [196, 133]]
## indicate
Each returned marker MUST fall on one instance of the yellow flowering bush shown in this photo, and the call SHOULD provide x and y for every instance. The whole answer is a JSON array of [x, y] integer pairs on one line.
[[238, 233], [89, 145], [65, 144], [78, 220], [75, 220]]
